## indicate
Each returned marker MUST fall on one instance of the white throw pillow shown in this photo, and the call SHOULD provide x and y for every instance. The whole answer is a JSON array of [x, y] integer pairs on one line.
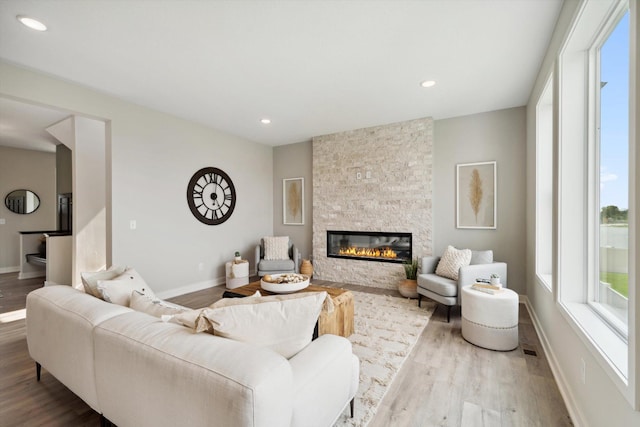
[[90, 279], [276, 248], [285, 325], [451, 261], [154, 307], [118, 290], [193, 318]]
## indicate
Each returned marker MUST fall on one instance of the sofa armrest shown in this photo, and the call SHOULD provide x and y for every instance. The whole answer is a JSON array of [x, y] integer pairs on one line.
[[469, 273], [429, 264], [295, 254], [257, 257], [323, 380]]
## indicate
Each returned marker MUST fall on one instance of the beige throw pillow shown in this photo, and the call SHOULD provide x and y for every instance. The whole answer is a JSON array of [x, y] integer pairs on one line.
[[154, 307], [90, 279], [451, 261], [276, 248], [283, 323], [118, 290]]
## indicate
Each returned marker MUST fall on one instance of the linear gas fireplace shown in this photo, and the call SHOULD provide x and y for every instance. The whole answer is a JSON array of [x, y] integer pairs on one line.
[[369, 245]]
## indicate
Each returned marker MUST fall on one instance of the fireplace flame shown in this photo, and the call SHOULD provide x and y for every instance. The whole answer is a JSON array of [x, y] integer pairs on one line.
[[368, 252]]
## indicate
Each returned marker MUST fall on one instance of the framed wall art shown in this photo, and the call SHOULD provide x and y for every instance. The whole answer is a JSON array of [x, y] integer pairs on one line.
[[476, 198], [293, 201]]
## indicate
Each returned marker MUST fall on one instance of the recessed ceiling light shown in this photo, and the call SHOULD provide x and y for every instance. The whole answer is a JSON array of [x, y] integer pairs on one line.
[[34, 24], [428, 83], [265, 121]]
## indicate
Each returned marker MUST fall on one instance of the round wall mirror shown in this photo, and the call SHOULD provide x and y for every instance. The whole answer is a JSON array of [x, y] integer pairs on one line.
[[22, 201]]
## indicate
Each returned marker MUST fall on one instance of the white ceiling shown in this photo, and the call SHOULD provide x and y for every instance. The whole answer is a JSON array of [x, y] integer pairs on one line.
[[313, 67]]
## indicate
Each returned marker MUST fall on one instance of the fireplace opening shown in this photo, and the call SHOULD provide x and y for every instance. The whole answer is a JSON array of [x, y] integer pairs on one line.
[[369, 245]]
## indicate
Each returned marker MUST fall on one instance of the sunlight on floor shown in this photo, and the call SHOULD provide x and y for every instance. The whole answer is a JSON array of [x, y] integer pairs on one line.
[[12, 316]]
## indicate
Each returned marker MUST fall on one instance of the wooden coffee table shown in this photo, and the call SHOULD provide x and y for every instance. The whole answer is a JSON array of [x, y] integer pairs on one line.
[[338, 322]]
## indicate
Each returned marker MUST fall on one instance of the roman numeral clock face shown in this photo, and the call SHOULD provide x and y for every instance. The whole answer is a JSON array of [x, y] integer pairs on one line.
[[211, 196]]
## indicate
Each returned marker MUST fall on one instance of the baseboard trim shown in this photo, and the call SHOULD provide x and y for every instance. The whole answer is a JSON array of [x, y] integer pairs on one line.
[[32, 275], [9, 269], [575, 414], [194, 287]]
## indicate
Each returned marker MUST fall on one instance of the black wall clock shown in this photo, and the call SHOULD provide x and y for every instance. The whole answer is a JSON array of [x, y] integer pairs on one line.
[[211, 196]]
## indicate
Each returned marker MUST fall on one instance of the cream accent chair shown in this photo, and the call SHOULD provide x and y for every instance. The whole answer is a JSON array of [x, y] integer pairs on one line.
[[447, 291]]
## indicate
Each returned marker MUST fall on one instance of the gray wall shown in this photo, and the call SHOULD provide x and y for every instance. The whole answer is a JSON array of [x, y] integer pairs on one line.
[[29, 170], [500, 136], [151, 156], [293, 161]]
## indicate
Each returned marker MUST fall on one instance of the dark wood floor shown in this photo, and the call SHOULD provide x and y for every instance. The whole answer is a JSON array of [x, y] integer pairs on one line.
[[444, 382]]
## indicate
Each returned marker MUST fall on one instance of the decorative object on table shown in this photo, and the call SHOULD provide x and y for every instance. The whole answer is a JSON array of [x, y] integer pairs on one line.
[[293, 201], [495, 280], [476, 188], [237, 256], [408, 287], [237, 272], [211, 196], [284, 283], [486, 288], [306, 267]]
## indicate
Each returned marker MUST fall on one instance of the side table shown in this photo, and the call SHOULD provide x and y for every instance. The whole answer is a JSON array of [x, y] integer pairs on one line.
[[490, 320], [237, 273]]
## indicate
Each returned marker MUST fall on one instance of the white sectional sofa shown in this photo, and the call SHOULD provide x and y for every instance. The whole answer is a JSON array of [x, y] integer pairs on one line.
[[138, 371]]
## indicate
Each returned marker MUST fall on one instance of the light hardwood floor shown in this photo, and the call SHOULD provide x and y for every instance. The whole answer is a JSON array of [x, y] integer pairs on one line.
[[444, 382]]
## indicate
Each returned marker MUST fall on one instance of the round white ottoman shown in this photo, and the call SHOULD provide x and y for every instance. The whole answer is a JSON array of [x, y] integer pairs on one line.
[[490, 321]]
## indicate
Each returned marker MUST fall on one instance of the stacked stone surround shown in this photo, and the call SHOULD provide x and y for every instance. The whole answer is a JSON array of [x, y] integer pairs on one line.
[[394, 194]]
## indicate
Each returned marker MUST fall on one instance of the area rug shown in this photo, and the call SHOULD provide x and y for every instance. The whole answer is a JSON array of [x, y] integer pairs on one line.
[[386, 330]]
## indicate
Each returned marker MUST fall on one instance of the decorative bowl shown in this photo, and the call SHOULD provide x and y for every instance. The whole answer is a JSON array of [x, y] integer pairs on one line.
[[284, 288]]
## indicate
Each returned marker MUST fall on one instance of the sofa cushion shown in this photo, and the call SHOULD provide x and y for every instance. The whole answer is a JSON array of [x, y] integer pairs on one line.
[[276, 248], [118, 290], [90, 279], [451, 261], [481, 257], [154, 307], [277, 265], [439, 285], [283, 323]]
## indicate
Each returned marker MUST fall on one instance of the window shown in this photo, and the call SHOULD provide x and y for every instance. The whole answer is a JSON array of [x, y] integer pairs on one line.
[[592, 185], [544, 185], [610, 285]]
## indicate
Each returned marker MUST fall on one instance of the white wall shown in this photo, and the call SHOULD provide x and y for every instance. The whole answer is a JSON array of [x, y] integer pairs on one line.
[[153, 157], [29, 170], [597, 402], [500, 136]]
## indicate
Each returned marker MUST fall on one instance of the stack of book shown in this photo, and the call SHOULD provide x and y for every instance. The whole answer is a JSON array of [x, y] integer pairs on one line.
[[486, 288]]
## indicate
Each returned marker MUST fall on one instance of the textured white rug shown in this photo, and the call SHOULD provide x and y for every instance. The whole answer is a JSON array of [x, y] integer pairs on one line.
[[386, 330]]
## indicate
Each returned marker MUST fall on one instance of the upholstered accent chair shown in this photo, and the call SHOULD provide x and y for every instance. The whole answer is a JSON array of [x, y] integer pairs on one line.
[[276, 261], [447, 291]]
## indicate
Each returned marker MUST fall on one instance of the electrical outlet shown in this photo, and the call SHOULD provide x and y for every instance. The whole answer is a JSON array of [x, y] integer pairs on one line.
[[133, 224], [201, 266], [2, 221], [368, 174], [583, 371]]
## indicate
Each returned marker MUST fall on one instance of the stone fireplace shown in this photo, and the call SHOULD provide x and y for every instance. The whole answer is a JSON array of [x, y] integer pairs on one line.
[[373, 180]]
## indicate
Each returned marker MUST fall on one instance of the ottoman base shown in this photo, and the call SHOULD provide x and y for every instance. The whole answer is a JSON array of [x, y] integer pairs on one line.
[[501, 339]]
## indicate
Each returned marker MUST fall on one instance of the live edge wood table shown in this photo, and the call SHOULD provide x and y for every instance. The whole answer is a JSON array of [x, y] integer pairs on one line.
[[338, 322]]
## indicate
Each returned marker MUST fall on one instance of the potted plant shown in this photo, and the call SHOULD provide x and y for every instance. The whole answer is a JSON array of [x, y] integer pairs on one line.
[[409, 287], [495, 279], [237, 257]]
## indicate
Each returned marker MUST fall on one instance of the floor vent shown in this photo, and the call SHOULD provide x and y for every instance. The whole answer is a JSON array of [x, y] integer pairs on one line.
[[530, 352]]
